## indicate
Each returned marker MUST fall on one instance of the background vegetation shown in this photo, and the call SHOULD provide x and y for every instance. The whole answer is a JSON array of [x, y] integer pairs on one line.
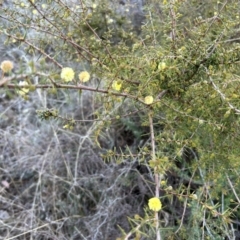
[[158, 117]]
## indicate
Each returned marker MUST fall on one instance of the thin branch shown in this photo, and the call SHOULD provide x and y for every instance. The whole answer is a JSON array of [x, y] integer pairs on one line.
[[65, 86], [232, 187], [173, 19], [223, 97], [156, 175], [34, 47]]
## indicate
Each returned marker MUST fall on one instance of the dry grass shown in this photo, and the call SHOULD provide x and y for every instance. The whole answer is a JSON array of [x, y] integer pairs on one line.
[[60, 187], [55, 184]]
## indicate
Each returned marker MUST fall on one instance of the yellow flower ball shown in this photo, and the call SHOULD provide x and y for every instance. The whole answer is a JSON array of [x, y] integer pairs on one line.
[[162, 66], [6, 66], [23, 91], [194, 196], [163, 182], [110, 20], [148, 100], [117, 85], [84, 76], [155, 204], [67, 74]]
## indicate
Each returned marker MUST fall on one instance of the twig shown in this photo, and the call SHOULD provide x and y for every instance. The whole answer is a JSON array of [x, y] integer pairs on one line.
[[76, 87], [4, 81], [223, 97], [156, 175], [232, 187]]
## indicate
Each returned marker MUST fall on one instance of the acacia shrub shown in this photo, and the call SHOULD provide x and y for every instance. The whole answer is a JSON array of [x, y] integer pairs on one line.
[[181, 71]]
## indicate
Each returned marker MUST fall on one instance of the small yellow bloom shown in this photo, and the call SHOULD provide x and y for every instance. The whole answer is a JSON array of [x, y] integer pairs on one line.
[[194, 196], [148, 100], [110, 20], [68, 126], [6, 66], [155, 204], [84, 76], [162, 66], [23, 91], [163, 183], [67, 74], [117, 85]]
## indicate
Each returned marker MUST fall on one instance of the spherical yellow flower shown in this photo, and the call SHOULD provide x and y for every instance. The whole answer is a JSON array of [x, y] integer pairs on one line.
[[148, 100], [23, 91], [67, 74], [162, 66], [194, 196], [110, 20], [84, 76], [163, 182], [6, 66], [117, 85], [155, 204]]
